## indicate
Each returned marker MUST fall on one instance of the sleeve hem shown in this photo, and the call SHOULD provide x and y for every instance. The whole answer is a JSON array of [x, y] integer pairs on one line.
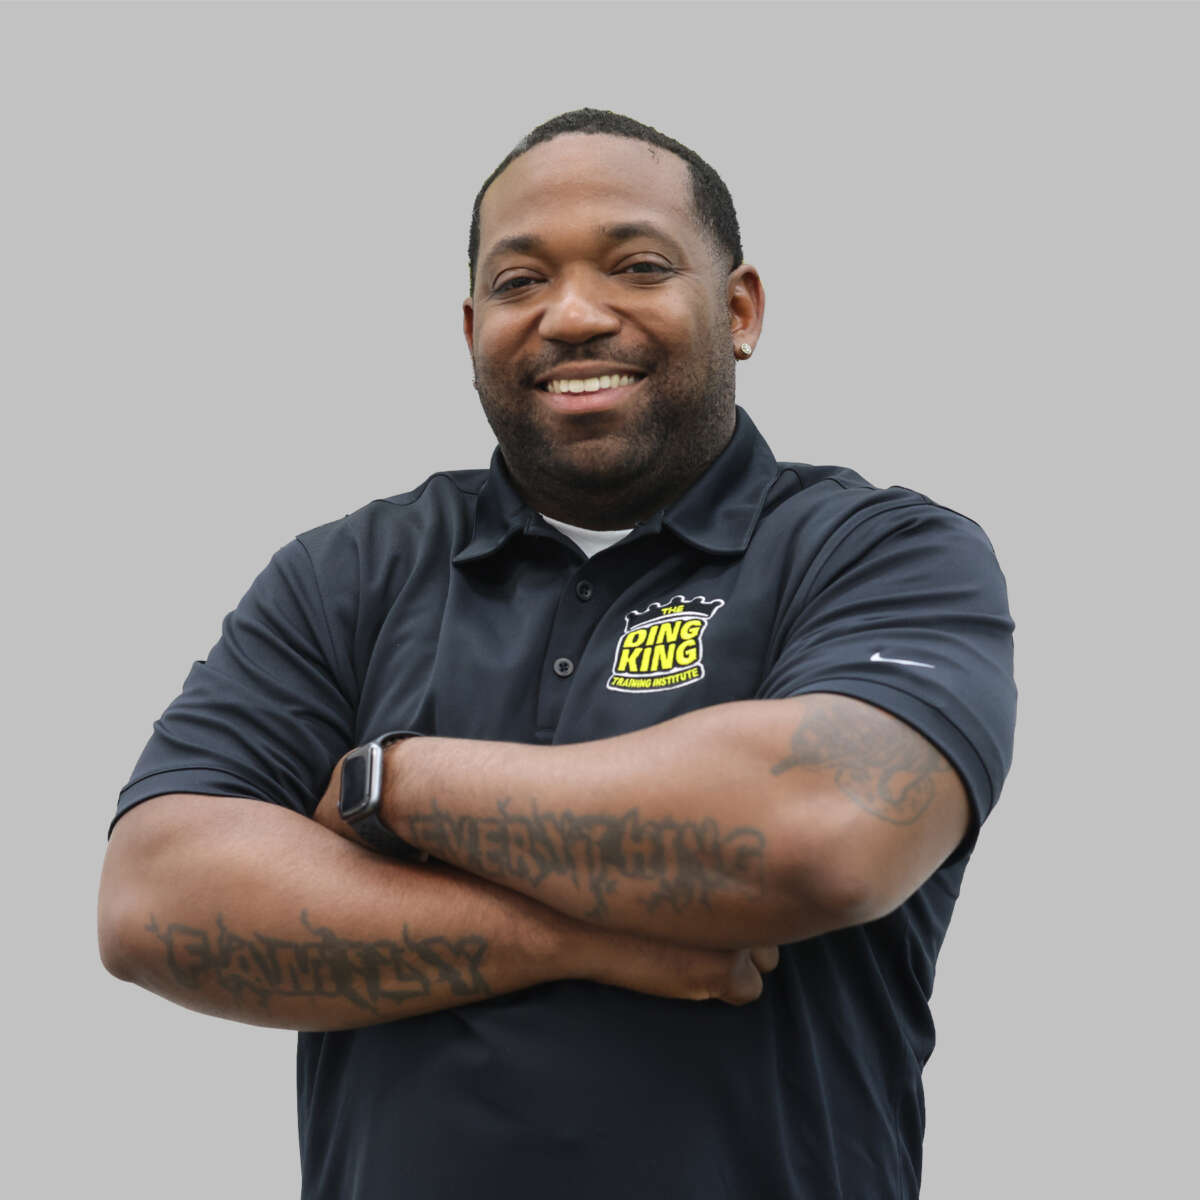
[[201, 781]]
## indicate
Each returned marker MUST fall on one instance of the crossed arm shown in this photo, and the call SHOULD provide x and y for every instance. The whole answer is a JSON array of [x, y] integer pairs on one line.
[[670, 861], [754, 822]]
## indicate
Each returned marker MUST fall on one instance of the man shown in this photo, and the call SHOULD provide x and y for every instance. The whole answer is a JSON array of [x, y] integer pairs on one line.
[[618, 796]]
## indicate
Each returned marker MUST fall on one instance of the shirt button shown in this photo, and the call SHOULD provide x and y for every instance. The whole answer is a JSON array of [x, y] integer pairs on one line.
[[563, 667], [584, 590]]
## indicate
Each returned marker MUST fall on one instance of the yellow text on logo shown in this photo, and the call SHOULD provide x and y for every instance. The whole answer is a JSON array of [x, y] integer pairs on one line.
[[626, 683], [663, 646]]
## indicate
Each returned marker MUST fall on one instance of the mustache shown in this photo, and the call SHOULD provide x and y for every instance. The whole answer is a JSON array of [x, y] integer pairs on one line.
[[589, 352]]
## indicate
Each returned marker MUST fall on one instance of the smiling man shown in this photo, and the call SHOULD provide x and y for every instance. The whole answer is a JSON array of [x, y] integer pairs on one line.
[[597, 818], [610, 396]]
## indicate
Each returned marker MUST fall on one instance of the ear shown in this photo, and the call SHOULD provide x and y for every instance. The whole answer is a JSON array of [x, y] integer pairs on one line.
[[469, 325], [747, 303]]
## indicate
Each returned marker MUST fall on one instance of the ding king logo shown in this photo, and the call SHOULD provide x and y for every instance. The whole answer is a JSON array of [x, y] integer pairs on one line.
[[661, 647]]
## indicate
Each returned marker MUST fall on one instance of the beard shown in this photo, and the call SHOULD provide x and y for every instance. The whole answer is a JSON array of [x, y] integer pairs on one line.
[[616, 466]]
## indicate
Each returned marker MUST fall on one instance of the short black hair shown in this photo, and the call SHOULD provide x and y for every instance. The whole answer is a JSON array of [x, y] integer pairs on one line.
[[710, 196]]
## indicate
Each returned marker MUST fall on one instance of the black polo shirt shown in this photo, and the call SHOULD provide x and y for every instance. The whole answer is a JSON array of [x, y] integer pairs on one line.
[[455, 610]]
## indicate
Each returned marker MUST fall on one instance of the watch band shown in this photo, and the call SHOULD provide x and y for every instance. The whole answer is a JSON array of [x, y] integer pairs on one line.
[[361, 811]]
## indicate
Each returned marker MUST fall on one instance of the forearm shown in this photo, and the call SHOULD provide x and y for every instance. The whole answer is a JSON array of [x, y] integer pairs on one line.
[[247, 911], [680, 831], [754, 822]]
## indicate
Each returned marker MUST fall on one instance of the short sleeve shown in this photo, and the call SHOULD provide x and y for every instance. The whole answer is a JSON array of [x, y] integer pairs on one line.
[[908, 611], [264, 716]]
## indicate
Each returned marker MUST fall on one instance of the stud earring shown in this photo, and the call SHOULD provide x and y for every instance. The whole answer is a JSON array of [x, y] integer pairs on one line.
[[745, 349]]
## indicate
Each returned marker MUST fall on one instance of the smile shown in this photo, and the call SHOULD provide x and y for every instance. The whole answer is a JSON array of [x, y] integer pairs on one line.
[[591, 383]]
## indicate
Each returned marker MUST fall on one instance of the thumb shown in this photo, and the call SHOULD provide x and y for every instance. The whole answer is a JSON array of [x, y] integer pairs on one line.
[[745, 982]]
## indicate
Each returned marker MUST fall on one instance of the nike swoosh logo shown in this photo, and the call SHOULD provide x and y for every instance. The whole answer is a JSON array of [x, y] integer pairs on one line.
[[902, 662]]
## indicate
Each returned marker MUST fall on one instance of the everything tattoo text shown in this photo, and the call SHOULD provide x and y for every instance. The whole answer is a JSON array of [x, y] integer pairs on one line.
[[684, 862]]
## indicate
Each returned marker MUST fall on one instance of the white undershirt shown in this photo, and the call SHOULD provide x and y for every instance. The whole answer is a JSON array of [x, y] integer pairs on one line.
[[590, 541]]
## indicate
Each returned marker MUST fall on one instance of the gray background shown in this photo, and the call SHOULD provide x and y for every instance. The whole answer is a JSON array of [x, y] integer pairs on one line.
[[232, 254]]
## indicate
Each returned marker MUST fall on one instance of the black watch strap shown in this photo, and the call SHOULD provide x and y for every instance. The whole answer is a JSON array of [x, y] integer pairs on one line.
[[383, 841], [362, 793]]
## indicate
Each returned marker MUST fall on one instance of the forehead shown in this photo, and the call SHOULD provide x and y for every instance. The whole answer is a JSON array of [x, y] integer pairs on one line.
[[579, 181]]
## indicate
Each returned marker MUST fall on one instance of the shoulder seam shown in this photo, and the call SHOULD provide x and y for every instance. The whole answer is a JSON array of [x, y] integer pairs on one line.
[[844, 533], [788, 469], [794, 469], [414, 496], [916, 500]]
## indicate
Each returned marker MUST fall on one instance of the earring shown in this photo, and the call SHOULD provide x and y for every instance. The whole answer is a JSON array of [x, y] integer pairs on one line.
[[745, 349]]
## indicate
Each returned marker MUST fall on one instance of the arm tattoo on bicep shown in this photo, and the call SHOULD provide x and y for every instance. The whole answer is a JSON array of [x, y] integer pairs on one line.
[[377, 976], [878, 762]]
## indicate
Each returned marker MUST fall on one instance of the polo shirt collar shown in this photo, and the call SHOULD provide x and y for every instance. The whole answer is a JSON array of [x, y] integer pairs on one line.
[[500, 514], [720, 511], [717, 514]]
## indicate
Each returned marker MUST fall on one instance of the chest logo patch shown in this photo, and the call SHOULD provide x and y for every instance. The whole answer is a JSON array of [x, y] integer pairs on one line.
[[662, 646]]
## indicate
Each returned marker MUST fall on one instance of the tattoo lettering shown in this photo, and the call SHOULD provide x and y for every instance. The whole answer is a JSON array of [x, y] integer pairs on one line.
[[685, 862], [877, 761], [371, 975]]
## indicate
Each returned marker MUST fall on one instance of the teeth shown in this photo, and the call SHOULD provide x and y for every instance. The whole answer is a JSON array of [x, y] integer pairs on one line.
[[594, 383]]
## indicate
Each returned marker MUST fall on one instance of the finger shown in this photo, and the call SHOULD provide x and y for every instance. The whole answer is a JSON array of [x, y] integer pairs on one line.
[[766, 958], [745, 982]]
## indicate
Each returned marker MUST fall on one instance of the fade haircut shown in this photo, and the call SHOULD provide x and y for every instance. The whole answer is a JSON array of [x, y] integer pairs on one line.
[[710, 196]]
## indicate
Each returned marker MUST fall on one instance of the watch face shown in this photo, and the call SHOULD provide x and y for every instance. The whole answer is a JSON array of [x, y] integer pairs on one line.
[[356, 775]]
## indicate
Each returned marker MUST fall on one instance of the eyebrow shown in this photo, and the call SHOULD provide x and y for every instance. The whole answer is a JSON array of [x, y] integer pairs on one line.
[[529, 243], [640, 229]]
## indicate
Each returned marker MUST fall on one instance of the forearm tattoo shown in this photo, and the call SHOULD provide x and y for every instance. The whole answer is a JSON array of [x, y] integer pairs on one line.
[[877, 761], [378, 976], [683, 862]]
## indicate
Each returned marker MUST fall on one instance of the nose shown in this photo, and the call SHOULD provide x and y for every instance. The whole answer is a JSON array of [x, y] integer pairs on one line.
[[575, 311]]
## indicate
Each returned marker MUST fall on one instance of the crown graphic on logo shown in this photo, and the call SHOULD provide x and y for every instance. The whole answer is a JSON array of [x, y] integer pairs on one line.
[[676, 608]]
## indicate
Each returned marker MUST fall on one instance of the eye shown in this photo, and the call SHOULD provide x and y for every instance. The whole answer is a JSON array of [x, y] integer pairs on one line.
[[650, 268], [512, 284]]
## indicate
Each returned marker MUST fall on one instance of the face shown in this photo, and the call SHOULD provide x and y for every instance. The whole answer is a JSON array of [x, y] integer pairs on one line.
[[602, 328]]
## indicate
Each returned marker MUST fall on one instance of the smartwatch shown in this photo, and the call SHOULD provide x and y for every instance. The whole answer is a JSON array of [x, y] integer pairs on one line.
[[362, 794]]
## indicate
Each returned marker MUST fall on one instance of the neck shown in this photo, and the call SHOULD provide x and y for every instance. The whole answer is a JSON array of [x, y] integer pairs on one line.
[[604, 503], [610, 510]]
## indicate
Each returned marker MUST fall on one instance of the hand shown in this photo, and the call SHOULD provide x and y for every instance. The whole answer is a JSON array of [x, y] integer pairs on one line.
[[678, 972], [765, 958]]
